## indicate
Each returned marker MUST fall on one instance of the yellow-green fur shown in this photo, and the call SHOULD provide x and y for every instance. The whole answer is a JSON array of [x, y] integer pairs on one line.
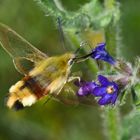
[[54, 70]]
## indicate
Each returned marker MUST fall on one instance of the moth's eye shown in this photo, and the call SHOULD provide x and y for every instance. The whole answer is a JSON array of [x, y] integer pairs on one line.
[[70, 62]]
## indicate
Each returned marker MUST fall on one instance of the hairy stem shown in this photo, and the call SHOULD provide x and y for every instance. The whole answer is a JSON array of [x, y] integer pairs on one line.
[[112, 123]]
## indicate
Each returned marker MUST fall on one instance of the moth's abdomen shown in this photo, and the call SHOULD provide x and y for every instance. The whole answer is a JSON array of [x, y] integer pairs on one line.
[[25, 93]]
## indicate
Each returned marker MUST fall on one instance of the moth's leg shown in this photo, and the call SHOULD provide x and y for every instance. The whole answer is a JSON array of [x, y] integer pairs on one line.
[[74, 78]]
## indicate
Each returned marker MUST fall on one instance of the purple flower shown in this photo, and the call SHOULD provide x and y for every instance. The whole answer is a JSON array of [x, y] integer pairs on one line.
[[107, 90], [85, 87], [100, 53]]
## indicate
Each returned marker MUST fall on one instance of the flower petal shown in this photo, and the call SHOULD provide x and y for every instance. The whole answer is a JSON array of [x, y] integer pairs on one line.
[[114, 98], [108, 58], [86, 88], [99, 91], [91, 85], [105, 100], [116, 87], [100, 46], [81, 92], [103, 80], [100, 53], [97, 56]]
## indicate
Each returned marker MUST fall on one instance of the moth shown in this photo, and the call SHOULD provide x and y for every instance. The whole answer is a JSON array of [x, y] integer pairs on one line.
[[50, 76]]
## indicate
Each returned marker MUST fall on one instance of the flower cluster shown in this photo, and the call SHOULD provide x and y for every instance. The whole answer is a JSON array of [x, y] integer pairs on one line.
[[106, 88]]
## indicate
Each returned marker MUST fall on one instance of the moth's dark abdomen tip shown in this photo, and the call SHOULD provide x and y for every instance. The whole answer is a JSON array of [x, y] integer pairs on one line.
[[17, 106]]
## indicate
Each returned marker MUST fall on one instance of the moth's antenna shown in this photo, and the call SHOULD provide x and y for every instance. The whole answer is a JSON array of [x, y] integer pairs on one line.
[[61, 33]]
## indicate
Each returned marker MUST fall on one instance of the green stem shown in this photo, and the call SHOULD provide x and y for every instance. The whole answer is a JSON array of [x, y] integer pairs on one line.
[[112, 115], [112, 123]]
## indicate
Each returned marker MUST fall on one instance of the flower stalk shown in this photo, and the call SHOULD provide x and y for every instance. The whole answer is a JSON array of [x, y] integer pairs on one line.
[[112, 123]]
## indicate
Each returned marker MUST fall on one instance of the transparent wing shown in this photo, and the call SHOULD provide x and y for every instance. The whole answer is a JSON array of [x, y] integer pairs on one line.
[[68, 96], [18, 48]]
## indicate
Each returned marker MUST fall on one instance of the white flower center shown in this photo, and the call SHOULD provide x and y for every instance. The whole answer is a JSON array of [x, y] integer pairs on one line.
[[110, 89]]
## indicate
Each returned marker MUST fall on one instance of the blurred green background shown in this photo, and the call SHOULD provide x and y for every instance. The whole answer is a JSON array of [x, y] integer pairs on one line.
[[54, 121]]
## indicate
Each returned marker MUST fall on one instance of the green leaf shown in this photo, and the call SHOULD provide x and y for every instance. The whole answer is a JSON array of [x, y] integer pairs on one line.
[[136, 94]]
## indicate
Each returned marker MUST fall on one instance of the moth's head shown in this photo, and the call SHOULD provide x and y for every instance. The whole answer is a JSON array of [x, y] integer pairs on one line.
[[71, 58], [68, 58]]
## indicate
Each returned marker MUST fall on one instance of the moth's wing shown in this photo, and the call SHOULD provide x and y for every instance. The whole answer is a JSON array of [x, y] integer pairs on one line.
[[68, 95], [18, 48]]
